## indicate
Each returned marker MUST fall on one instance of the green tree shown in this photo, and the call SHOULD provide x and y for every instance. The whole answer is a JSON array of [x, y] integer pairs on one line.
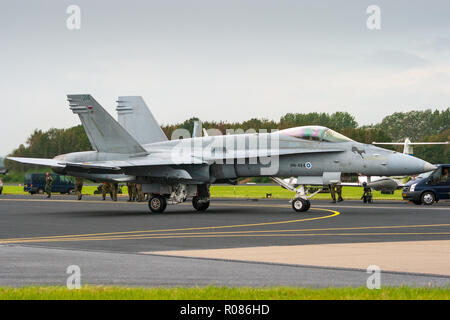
[[415, 124], [50, 143], [434, 153]]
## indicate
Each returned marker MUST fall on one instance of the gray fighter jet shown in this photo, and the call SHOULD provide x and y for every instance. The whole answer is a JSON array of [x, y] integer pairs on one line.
[[176, 170]]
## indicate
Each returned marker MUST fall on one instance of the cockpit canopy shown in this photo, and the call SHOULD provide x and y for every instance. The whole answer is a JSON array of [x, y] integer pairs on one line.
[[316, 133]]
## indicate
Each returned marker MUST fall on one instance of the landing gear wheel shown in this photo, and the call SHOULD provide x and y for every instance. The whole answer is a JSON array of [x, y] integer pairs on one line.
[[428, 198], [199, 206], [300, 205], [157, 203]]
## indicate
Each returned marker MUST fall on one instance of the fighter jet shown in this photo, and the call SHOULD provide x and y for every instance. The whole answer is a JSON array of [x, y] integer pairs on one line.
[[172, 171]]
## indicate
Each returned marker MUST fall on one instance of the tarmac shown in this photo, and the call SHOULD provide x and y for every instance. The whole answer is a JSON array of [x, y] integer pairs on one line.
[[234, 243]]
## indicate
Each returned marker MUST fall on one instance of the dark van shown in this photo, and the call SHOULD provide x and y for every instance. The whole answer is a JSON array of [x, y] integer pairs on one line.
[[35, 183], [429, 187]]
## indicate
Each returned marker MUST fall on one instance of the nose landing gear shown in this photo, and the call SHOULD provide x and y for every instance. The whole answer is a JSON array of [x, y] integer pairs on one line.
[[300, 203]]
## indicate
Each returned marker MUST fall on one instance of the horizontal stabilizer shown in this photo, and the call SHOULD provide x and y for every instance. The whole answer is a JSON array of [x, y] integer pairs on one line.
[[104, 133], [39, 161]]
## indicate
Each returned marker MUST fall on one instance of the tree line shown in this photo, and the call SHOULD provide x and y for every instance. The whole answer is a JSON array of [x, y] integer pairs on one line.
[[425, 125]]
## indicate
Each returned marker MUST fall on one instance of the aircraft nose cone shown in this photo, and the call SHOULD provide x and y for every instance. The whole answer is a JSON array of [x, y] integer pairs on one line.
[[429, 167], [403, 164]]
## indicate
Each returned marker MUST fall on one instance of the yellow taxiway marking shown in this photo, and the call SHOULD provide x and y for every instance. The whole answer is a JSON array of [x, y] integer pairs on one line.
[[235, 235], [171, 233], [224, 234], [152, 234], [81, 236]]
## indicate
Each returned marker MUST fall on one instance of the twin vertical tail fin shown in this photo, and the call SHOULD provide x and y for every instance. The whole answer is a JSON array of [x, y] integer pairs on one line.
[[104, 132], [134, 115]]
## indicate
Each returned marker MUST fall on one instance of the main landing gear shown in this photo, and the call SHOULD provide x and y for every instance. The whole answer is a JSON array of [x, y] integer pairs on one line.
[[301, 202], [199, 204], [157, 203]]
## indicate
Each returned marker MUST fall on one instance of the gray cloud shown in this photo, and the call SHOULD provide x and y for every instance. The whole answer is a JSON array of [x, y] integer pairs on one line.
[[398, 59]]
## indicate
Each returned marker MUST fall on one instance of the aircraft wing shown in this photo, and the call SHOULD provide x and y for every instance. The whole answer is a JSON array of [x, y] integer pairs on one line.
[[158, 159], [113, 165]]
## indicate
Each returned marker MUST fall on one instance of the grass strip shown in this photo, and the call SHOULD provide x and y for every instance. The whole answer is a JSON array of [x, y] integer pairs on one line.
[[92, 292]]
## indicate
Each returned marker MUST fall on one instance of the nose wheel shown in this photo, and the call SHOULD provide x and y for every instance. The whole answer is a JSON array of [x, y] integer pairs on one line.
[[300, 204]]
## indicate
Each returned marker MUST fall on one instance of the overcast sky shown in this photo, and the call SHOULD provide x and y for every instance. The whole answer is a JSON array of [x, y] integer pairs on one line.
[[220, 60]]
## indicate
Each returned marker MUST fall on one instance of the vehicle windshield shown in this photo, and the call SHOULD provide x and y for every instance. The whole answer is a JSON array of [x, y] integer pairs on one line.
[[424, 175], [316, 133]]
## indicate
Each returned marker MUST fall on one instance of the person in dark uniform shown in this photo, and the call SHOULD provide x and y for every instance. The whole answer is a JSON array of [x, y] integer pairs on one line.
[[131, 192], [105, 189], [139, 193], [79, 187], [114, 188], [48, 184], [336, 189], [367, 194]]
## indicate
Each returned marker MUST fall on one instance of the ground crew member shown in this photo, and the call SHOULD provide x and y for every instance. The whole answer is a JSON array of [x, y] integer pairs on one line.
[[105, 189], [114, 188], [131, 192], [140, 194], [79, 187], [367, 195], [336, 188], [48, 184]]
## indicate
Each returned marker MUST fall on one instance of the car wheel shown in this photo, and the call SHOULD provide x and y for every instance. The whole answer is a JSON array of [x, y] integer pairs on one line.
[[428, 198], [40, 191]]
